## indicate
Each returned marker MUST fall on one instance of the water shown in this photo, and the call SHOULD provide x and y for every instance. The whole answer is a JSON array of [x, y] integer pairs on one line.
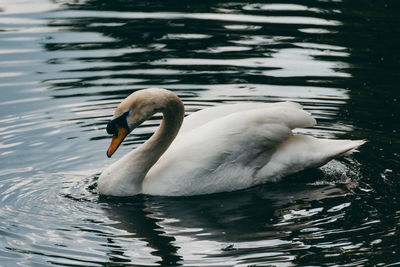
[[65, 65]]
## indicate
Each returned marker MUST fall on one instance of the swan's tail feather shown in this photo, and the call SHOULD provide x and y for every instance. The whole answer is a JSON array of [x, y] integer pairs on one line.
[[355, 144], [302, 151]]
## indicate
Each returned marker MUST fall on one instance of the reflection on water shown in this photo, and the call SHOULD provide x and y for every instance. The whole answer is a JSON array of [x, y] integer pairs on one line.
[[218, 226], [67, 64]]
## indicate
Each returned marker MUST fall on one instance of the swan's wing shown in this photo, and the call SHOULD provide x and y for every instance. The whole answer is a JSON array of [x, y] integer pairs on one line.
[[204, 116], [223, 154], [300, 152]]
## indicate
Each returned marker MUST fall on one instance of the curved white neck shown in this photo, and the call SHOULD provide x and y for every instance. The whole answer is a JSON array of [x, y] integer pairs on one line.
[[138, 162], [159, 142], [125, 176]]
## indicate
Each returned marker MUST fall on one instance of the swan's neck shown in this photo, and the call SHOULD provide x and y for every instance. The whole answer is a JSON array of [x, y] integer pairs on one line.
[[153, 148], [138, 162], [125, 176]]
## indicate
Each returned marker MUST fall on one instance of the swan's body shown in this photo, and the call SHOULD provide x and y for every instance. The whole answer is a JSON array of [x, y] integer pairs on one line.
[[217, 149]]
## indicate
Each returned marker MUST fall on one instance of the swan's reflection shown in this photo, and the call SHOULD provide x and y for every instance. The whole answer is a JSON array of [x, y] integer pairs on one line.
[[134, 216], [169, 224]]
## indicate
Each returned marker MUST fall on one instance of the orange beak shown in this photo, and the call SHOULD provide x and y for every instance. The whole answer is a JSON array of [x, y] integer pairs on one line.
[[117, 140]]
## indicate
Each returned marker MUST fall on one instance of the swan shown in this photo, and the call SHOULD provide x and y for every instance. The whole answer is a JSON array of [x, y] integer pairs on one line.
[[217, 149]]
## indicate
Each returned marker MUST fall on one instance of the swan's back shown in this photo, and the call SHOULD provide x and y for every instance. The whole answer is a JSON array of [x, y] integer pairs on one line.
[[207, 115]]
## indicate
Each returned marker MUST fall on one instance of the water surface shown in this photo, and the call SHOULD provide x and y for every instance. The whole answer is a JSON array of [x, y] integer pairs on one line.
[[65, 66]]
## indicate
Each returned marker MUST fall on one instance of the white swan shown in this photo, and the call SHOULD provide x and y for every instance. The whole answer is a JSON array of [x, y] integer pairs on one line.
[[218, 149]]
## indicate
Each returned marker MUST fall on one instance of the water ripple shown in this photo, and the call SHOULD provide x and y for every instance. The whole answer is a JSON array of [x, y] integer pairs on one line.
[[199, 16]]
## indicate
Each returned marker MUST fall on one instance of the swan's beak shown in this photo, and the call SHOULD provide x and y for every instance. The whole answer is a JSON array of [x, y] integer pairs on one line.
[[117, 140]]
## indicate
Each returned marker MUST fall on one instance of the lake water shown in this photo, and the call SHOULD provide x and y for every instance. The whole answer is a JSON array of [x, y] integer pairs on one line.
[[65, 66]]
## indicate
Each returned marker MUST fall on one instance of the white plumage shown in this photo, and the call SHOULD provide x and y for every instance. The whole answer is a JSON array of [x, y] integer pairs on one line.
[[218, 149]]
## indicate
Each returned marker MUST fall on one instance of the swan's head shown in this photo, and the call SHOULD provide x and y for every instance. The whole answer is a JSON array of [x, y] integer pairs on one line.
[[133, 111]]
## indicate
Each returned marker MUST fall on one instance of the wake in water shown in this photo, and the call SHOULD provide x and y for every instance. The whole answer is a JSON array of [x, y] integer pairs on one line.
[[337, 172]]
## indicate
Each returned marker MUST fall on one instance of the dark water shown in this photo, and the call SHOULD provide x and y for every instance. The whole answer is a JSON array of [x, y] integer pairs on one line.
[[65, 65]]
